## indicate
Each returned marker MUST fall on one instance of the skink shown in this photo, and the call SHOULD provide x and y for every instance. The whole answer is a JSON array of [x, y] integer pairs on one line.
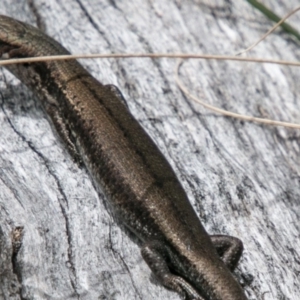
[[142, 188]]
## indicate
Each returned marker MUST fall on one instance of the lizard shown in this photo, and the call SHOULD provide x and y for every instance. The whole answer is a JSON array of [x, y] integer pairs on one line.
[[140, 185]]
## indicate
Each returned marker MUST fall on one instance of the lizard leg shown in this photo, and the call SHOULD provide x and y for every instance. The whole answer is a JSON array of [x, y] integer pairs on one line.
[[115, 90], [229, 248], [156, 255]]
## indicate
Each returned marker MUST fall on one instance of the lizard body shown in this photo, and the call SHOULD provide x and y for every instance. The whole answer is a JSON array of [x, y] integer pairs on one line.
[[141, 186]]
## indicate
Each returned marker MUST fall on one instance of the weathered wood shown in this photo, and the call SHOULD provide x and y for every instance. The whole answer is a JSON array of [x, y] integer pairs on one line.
[[242, 178]]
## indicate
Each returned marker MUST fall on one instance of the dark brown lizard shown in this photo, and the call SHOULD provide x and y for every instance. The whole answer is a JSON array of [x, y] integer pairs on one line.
[[141, 186]]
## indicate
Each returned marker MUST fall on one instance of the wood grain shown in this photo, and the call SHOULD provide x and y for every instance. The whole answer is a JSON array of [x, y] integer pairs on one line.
[[242, 178]]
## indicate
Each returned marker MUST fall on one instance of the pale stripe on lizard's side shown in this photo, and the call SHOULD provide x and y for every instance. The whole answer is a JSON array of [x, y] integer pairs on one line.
[[141, 186]]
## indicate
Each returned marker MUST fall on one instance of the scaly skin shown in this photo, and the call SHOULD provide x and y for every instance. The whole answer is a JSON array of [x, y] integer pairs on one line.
[[141, 186]]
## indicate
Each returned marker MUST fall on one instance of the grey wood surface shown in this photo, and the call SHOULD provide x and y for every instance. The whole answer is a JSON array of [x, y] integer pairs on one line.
[[242, 178]]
